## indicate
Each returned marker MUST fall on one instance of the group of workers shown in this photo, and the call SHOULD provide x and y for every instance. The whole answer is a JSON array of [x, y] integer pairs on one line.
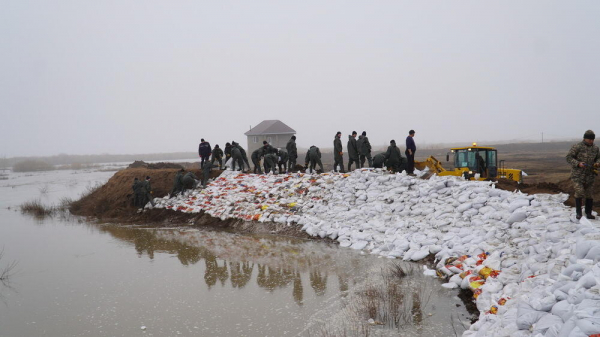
[[584, 158], [142, 193], [284, 160]]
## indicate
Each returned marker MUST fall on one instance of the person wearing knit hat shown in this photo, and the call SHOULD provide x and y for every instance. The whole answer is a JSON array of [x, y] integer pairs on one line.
[[584, 158]]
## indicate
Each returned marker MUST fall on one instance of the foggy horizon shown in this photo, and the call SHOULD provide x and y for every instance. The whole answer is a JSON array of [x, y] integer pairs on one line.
[[153, 77]]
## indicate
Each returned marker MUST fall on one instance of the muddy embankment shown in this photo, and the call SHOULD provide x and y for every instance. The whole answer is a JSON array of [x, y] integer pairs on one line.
[[563, 186], [113, 201]]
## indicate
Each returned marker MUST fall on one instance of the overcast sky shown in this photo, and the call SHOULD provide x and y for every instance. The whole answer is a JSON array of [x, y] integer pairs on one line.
[[87, 77]]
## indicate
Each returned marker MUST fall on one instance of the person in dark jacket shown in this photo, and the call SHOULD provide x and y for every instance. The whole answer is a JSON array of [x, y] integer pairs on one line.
[[393, 157], [217, 155], [206, 173], [137, 192], [411, 148], [236, 157], [244, 157], [270, 159], [190, 180], [313, 156], [282, 157], [352, 151], [365, 150], [256, 156], [177, 183], [379, 160], [227, 152], [292, 152], [147, 193], [204, 151], [338, 159], [359, 143], [584, 158]]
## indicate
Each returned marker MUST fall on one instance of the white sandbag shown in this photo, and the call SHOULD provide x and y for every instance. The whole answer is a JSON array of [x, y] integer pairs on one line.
[[360, 244], [568, 271], [593, 253], [546, 322], [588, 320], [583, 246], [587, 281], [543, 304], [518, 204], [419, 255], [462, 208], [568, 328], [527, 316], [516, 217], [450, 285]]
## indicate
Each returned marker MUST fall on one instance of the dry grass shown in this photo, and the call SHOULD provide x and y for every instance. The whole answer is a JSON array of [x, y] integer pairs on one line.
[[36, 208], [39, 210], [395, 302], [7, 271]]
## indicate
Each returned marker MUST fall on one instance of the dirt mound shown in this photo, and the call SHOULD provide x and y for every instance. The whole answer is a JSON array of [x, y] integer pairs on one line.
[[154, 166], [544, 187], [564, 186], [115, 198]]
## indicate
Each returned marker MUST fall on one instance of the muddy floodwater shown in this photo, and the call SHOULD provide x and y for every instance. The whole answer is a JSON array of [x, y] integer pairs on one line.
[[80, 278]]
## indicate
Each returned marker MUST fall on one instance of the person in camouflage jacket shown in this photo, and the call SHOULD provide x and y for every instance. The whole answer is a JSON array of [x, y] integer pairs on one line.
[[584, 158], [217, 155]]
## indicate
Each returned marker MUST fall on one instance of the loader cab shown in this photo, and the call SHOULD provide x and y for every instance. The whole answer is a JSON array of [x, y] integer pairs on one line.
[[476, 159]]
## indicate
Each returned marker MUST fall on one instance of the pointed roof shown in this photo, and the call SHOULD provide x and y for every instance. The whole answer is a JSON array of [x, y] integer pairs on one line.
[[270, 127]]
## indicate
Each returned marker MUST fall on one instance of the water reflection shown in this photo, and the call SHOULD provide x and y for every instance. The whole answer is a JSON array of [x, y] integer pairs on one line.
[[274, 263]]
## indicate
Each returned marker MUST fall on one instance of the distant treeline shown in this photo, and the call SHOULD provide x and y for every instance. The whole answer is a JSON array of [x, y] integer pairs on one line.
[[69, 159]]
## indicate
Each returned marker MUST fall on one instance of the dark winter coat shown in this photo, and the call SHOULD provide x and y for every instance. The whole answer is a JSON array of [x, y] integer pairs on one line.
[[227, 151], [337, 147], [177, 183], [352, 148], [283, 156], [365, 147], [291, 149], [312, 154], [204, 149], [393, 155], [379, 160], [359, 143], [217, 153]]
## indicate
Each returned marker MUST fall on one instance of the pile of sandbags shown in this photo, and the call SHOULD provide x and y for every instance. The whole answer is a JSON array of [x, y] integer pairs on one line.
[[509, 248]]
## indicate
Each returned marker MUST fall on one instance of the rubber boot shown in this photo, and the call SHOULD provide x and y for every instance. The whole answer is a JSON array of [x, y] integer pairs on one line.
[[578, 208], [588, 209]]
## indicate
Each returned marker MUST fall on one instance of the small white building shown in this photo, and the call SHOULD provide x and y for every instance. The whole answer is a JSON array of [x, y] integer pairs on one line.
[[275, 132]]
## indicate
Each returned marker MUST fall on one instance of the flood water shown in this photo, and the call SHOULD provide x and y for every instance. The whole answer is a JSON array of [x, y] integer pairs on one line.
[[77, 278]]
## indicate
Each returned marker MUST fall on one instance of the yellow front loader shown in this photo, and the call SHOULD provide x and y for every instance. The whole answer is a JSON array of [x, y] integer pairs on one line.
[[473, 162]]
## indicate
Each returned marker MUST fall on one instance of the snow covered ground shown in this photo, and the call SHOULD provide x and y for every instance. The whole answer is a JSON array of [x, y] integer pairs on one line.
[[533, 268]]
